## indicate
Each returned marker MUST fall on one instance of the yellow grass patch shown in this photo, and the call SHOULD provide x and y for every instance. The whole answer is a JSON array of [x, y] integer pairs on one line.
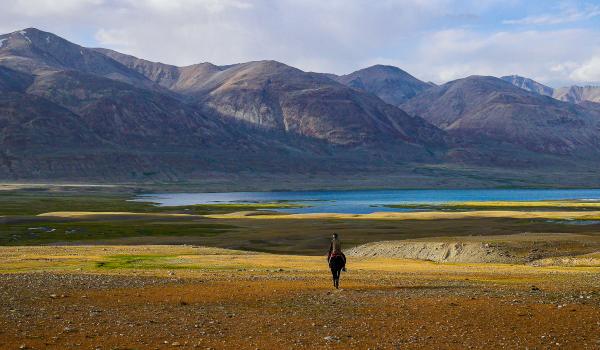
[[429, 215], [525, 204]]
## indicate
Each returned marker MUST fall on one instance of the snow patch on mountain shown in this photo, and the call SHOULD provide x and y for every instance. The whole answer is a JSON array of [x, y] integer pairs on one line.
[[24, 34]]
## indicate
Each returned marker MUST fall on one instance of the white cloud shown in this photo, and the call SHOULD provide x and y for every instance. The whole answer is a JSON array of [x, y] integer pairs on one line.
[[36, 8], [436, 40], [567, 14], [310, 34], [587, 72], [552, 57], [175, 6]]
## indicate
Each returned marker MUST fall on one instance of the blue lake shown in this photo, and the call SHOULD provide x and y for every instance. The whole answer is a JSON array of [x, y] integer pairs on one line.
[[368, 201]]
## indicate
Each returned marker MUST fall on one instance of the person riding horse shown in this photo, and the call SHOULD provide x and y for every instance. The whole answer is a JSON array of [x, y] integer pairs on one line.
[[336, 260], [335, 248]]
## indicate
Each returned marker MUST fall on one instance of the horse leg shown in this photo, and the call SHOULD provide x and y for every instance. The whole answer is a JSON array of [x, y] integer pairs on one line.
[[337, 278], [333, 276]]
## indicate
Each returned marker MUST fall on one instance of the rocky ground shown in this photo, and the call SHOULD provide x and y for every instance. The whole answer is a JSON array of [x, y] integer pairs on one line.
[[178, 297], [525, 248]]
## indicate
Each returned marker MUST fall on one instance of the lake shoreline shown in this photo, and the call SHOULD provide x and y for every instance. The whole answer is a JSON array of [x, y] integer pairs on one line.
[[368, 202]]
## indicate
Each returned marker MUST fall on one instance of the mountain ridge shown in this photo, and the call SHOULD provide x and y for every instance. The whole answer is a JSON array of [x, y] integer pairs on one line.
[[112, 121], [271, 95], [70, 112], [574, 93]]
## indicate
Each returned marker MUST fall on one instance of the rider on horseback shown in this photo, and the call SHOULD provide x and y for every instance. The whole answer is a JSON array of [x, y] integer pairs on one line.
[[335, 249]]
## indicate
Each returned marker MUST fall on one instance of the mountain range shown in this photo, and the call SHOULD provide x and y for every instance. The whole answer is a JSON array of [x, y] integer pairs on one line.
[[73, 113], [573, 94]]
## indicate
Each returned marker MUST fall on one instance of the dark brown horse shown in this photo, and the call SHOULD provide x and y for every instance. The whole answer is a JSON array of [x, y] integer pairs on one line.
[[336, 264]]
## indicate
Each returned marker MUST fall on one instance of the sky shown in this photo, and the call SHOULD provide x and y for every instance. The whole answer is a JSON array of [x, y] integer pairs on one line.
[[553, 42]]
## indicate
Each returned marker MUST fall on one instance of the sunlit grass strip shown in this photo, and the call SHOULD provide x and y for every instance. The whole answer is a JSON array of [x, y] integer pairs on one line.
[[501, 204], [429, 215], [187, 260]]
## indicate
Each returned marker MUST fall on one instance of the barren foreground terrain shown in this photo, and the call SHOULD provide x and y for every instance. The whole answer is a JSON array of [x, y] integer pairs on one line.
[[166, 297]]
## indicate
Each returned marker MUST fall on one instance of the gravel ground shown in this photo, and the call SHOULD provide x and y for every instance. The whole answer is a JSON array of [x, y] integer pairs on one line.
[[268, 309]]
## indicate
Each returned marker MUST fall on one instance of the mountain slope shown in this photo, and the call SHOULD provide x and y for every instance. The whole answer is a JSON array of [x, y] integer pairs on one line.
[[123, 114], [389, 83], [529, 85], [30, 122], [11, 80], [578, 94], [485, 108]]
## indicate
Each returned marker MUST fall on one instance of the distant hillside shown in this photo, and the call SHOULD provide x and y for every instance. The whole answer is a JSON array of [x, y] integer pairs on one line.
[[389, 83], [578, 94], [491, 108], [573, 94]]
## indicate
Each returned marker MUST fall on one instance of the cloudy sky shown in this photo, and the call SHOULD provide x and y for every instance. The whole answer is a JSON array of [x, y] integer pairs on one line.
[[554, 42]]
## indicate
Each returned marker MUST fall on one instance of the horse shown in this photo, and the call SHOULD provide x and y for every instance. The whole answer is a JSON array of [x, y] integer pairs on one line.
[[336, 263]]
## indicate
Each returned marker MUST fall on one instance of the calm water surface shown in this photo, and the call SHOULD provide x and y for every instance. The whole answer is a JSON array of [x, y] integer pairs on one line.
[[367, 201]]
